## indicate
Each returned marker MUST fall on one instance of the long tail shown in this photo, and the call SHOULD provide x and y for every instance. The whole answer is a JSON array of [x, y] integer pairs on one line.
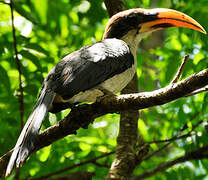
[[26, 141]]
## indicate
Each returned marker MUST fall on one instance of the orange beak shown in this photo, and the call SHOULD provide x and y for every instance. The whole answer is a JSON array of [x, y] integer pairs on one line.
[[169, 18]]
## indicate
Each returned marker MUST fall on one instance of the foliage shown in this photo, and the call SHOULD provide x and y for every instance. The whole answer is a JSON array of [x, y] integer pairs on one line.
[[48, 30]]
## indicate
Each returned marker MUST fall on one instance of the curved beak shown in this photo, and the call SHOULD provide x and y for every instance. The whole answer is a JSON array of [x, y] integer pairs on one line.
[[169, 18]]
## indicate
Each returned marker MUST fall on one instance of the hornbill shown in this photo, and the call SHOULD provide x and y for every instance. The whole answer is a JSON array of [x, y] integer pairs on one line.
[[103, 68]]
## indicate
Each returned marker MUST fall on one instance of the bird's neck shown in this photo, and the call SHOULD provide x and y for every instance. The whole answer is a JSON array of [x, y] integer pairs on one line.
[[132, 39]]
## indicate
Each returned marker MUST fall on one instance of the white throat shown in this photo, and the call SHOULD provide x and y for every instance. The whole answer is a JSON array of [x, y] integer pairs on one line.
[[132, 39]]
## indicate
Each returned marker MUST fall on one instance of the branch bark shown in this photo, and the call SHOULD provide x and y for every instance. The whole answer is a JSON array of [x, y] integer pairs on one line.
[[84, 114], [114, 6], [180, 70], [125, 156], [204, 89]]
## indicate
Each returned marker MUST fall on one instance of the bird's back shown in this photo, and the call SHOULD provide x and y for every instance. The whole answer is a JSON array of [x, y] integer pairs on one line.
[[77, 75]]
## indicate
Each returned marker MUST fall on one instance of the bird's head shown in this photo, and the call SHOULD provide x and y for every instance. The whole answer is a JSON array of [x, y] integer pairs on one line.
[[131, 25]]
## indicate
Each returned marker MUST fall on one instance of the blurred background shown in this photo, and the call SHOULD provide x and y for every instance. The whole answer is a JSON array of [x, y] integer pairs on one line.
[[46, 31]]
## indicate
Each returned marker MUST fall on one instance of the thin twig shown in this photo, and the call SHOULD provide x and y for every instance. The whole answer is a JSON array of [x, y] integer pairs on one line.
[[17, 174], [157, 151], [73, 166], [196, 125], [200, 153], [175, 137], [101, 165], [171, 139], [143, 151], [21, 100], [197, 91], [178, 137], [180, 70]]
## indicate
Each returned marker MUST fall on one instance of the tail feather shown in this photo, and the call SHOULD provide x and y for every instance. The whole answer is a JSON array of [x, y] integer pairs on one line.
[[26, 141]]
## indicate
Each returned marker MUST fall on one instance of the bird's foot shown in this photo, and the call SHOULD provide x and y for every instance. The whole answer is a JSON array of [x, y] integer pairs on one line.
[[106, 93]]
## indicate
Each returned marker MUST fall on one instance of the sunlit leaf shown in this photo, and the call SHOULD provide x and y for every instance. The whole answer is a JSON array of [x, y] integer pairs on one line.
[[37, 47], [18, 7], [198, 57], [31, 58], [4, 78], [41, 7], [44, 153], [142, 127]]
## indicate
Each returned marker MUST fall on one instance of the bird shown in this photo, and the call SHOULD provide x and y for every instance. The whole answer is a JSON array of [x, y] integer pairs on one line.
[[96, 70]]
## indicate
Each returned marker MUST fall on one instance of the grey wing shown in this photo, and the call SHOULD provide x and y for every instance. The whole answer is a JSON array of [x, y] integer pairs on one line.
[[92, 65]]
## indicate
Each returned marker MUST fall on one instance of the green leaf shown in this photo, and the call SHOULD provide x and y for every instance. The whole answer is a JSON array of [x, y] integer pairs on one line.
[[4, 79], [28, 15], [31, 57], [205, 103], [41, 7], [37, 47], [198, 57], [44, 153]]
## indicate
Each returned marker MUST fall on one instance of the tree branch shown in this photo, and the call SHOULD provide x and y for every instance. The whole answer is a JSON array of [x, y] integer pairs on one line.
[[139, 155], [74, 166], [178, 137], [193, 155], [114, 6], [83, 115], [180, 70], [80, 175], [197, 91], [21, 100], [175, 137], [125, 159], [101, 165], [171, 139]]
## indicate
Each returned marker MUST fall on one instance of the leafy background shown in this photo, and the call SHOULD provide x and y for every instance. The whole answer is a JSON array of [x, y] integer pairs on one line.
[[48, 30]]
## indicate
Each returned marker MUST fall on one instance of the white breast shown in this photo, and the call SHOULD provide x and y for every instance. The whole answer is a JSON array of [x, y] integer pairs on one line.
[[118, 82], [114, 85]]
